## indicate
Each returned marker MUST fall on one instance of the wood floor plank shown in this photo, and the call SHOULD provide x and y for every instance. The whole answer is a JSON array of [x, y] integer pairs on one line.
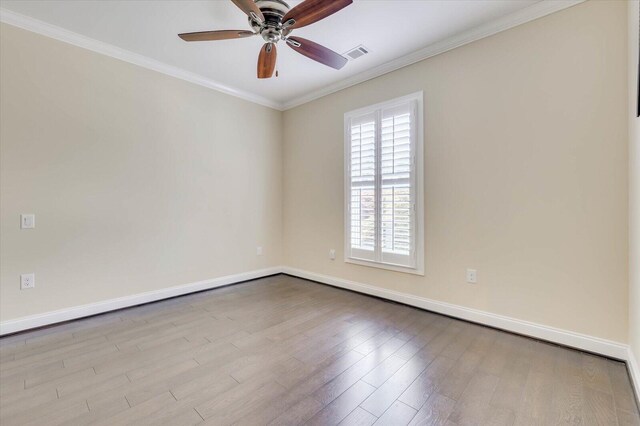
[[421, 389], [435, 411], [567, 400], [182, 379], [499, 417], [399, 414], [343, 405], [384, 370], [296, 414], [536, 398], [595, 373], [599, 408], [511, 386], [331, 390], [473, 404], [290, 408], [57, 416], [107, 407], [138, 413], [42, 393], [621, 387], [229, 409], [23, 400], [627, 418], [388, 393], [359, 417], [459, 376]]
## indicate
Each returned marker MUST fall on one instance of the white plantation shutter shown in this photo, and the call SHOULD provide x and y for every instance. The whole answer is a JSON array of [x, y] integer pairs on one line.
[[397, 229], [363, 182], [381, 184]]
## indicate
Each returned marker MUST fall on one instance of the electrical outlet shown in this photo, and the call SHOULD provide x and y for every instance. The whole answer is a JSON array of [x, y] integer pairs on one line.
[[472, 276], [27, 281], [259, 251], [27, 221], [332, 254]]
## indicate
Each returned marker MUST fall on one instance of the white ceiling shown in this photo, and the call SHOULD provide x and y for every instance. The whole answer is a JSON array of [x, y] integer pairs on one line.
[[389, 28]]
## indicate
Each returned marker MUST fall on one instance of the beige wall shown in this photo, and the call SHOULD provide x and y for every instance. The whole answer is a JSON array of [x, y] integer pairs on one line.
[[139, 181], [525, 173], [634, 180]]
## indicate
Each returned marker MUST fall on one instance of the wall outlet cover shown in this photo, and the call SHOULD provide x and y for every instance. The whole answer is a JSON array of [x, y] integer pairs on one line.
[[472, 276], [27, 281]]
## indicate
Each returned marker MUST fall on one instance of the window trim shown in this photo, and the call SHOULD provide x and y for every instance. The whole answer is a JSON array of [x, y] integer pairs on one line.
[[418, 181]]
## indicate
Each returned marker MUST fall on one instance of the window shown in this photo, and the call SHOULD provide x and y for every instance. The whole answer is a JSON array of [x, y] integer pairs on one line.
[[383, 185]]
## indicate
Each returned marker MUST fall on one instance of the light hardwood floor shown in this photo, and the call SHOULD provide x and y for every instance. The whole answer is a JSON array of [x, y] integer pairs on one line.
[[282, 351]]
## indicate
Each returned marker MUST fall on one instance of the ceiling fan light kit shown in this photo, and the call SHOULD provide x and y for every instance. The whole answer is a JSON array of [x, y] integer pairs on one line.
[[274, 20]]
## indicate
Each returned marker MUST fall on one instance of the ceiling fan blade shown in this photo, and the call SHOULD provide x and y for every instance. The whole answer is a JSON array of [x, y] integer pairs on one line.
[[215, 35], [249, 7], [317, 52], [311, 11], [267, 60]]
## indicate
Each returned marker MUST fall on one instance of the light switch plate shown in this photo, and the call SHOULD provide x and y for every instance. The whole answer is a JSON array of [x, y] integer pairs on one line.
[[27, 221], [472, 276]]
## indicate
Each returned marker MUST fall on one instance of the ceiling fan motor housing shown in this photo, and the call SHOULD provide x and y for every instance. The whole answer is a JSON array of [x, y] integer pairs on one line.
[[273, 11]]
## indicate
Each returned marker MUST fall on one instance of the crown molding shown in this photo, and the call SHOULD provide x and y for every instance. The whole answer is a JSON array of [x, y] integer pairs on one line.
[[70, 37], [535, 11]]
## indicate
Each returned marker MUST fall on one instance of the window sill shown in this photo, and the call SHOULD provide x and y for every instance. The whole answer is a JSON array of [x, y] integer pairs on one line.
[[387, 266]]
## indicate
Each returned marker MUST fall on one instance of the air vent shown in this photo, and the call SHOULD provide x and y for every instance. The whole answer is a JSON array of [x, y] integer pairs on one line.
[[356, 52]]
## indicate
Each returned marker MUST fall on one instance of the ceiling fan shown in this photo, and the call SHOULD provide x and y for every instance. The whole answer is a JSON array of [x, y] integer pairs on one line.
[[274, 20]]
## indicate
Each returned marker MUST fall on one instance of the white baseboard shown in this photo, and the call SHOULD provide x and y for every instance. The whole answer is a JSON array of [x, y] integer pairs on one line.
[[564, 337], [53, 317], [634, 373]]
